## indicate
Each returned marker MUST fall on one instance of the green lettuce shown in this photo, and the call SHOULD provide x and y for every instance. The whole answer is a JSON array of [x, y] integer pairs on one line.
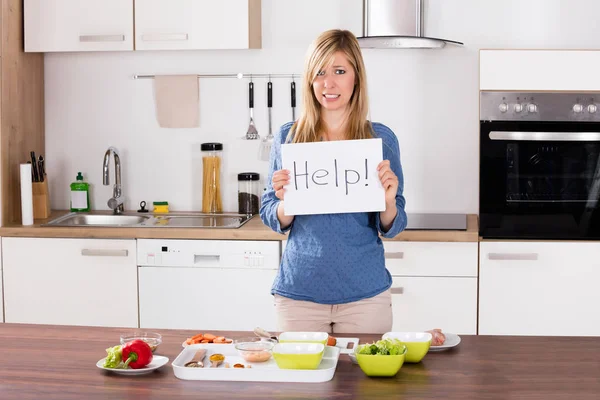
[[385, 347], [114, 358]]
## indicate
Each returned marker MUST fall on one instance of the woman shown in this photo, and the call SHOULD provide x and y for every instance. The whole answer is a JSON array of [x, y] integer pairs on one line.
[[332, 276]]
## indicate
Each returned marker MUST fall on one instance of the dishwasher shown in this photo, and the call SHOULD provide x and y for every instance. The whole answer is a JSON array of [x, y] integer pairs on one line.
[[207, 285]]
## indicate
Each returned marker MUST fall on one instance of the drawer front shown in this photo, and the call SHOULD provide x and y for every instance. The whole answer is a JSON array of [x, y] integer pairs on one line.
[[431, 258], [421, 304]]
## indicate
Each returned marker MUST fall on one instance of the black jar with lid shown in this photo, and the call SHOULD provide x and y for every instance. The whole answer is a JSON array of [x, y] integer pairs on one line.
[[248, 193]]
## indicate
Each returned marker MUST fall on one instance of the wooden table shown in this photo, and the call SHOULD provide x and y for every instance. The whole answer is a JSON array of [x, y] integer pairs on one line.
[[59, 362]]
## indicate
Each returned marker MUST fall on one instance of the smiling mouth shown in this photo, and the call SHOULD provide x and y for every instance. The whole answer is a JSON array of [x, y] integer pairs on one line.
[[331, 96]]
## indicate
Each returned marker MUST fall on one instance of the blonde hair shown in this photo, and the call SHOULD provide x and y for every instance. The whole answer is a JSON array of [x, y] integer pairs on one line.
[[309, 126]]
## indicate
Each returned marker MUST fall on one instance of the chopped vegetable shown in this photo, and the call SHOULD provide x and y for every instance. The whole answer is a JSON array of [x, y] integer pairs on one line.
[[113, 359], [137, 354], [386, 347]]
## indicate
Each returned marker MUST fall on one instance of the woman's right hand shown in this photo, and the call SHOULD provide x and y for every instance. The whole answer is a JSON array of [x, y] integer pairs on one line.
[[280, 179]]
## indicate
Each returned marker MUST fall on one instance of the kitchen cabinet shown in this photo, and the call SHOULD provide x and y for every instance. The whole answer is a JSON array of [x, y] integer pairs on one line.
[[70, 281], [539, 288], [76, 25], [197, 24], [434, 285]]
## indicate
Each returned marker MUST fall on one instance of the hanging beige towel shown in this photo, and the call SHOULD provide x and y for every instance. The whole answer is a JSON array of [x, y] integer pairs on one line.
[[177, 101]]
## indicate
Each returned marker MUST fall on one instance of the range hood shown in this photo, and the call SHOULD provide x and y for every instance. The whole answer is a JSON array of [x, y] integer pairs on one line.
[[396, 24]]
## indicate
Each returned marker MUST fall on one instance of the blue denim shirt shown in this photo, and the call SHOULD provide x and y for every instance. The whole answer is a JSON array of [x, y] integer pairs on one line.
[[334, 258]]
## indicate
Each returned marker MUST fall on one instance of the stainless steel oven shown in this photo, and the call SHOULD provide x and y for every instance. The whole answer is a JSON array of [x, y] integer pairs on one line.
[[539, 165]]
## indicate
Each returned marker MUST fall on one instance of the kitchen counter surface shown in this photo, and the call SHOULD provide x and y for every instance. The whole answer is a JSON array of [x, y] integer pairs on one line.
[[252, 230], [59, 362]]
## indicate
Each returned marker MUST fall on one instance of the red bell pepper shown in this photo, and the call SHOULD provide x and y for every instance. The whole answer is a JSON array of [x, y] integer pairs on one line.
[[137, 354]]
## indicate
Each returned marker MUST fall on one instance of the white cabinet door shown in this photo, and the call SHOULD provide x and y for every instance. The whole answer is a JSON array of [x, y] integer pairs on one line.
[[197, 24], [424, 303], [78, 25], [431, 258], [539, 288], [70, 281]]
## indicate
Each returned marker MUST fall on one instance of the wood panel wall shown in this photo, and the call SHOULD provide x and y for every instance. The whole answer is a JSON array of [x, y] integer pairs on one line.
[[21, 107]]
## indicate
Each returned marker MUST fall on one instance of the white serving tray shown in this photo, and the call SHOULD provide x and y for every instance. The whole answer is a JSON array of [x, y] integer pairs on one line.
[[260, 372]]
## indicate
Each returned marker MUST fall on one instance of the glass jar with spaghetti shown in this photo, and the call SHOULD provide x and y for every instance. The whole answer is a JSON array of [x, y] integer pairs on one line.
[[211, 177]]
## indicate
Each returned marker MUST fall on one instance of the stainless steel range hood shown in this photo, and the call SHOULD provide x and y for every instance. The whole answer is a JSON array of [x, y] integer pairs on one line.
[[396, 24]]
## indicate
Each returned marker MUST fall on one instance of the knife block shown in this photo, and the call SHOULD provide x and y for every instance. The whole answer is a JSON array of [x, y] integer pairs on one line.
[[41, 199]]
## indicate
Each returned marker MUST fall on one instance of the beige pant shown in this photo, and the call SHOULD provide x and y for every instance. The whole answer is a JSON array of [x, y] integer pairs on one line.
[[373, 315]]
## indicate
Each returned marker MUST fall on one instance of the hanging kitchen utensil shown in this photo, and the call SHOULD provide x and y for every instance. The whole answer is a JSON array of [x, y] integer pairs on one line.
[[293, 95], [267, 142], [251, 133]]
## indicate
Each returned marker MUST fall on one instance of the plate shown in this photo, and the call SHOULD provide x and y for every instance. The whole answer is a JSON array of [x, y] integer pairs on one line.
[[452, 340], [157, 362]]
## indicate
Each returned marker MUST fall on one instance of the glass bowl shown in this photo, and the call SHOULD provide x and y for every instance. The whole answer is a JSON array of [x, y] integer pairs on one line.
[[153, 339], [254, 349]]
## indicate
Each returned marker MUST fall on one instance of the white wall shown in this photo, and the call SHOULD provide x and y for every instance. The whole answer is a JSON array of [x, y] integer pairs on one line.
[[428, 97]]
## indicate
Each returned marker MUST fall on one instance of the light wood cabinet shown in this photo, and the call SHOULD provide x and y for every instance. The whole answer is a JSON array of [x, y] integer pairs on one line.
[[78, 25], [197, 24], [539, 288], [70, 281]]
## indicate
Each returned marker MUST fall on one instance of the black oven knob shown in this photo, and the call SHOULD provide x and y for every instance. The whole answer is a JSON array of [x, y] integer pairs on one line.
[[577, 108], [518, 107], [592, 108], [503, 107]]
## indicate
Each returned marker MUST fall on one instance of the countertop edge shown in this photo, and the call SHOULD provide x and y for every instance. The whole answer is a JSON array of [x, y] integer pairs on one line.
[[252, 230]]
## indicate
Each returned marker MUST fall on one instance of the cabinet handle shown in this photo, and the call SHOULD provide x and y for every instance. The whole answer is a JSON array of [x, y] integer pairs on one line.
[[102, 38], [206, 257], [395, 256], [165, 37], [397, 290], [104, 252], [513, 256]]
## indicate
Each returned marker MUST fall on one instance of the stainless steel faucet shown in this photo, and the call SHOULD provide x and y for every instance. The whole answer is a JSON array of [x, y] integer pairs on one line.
[[115, 202]]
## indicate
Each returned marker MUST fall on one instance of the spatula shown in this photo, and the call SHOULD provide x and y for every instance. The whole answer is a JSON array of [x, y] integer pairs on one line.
[[265, 147], [251, 133]]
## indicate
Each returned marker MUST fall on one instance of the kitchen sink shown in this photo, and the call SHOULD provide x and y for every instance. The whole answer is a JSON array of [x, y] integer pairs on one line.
[[170, 220]]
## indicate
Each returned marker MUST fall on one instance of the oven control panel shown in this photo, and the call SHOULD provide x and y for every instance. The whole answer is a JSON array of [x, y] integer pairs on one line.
[[541, 106]]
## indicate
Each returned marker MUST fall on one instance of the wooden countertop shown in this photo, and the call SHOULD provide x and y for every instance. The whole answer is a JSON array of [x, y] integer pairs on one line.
[[252, 230], [59, 362]]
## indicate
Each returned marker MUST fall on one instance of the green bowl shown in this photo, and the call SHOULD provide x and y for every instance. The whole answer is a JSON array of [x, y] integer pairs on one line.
[[417, 344], [298, 355], [380, 365], [303, 337]]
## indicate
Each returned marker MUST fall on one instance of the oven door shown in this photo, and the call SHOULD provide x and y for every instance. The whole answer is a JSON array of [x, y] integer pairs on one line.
[[539, 180]]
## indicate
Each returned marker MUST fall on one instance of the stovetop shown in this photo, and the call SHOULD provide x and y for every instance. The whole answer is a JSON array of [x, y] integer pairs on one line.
[[453, 222]]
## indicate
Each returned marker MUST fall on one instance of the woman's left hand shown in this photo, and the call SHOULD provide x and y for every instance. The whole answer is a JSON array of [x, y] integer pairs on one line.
[[389, 181]]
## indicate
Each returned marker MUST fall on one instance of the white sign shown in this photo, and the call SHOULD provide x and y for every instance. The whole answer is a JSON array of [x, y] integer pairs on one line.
[[333, 177]]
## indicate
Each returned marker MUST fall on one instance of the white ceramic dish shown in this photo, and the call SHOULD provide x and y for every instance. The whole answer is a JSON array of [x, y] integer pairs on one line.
[[452, 340], [346, 345], [418, 337], [157, 362], [311, 337], [267, 371]]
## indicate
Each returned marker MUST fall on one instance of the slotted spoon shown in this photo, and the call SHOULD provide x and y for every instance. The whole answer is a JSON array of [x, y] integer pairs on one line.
[[251, 133], [265, 147]]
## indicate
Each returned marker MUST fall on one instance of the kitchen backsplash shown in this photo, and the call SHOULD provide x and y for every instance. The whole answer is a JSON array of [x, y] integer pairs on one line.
[[428, 97]]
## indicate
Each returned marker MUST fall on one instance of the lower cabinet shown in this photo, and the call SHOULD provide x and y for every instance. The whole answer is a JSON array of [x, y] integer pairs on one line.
[[70, 281], [539, 288], [434, 285]]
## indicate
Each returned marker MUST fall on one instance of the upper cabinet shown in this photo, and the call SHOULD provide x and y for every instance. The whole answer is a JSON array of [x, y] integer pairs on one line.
[[78, 25], [197, 24], [109, 25]]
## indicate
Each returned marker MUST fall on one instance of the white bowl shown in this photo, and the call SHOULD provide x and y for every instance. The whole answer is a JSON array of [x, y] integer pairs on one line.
[[303, 337], [409, 336]]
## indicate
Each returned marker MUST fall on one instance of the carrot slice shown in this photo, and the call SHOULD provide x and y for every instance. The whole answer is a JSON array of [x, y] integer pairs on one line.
[[198, 336], [205, 341], [209, 336], [189, 341], [228, 341]]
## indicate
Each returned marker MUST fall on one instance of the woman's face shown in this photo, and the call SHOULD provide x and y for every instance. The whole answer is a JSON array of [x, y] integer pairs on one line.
[[334, 85]]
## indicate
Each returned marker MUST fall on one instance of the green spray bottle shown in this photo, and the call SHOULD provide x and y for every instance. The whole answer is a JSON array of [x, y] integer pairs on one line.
[[80, 195]]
